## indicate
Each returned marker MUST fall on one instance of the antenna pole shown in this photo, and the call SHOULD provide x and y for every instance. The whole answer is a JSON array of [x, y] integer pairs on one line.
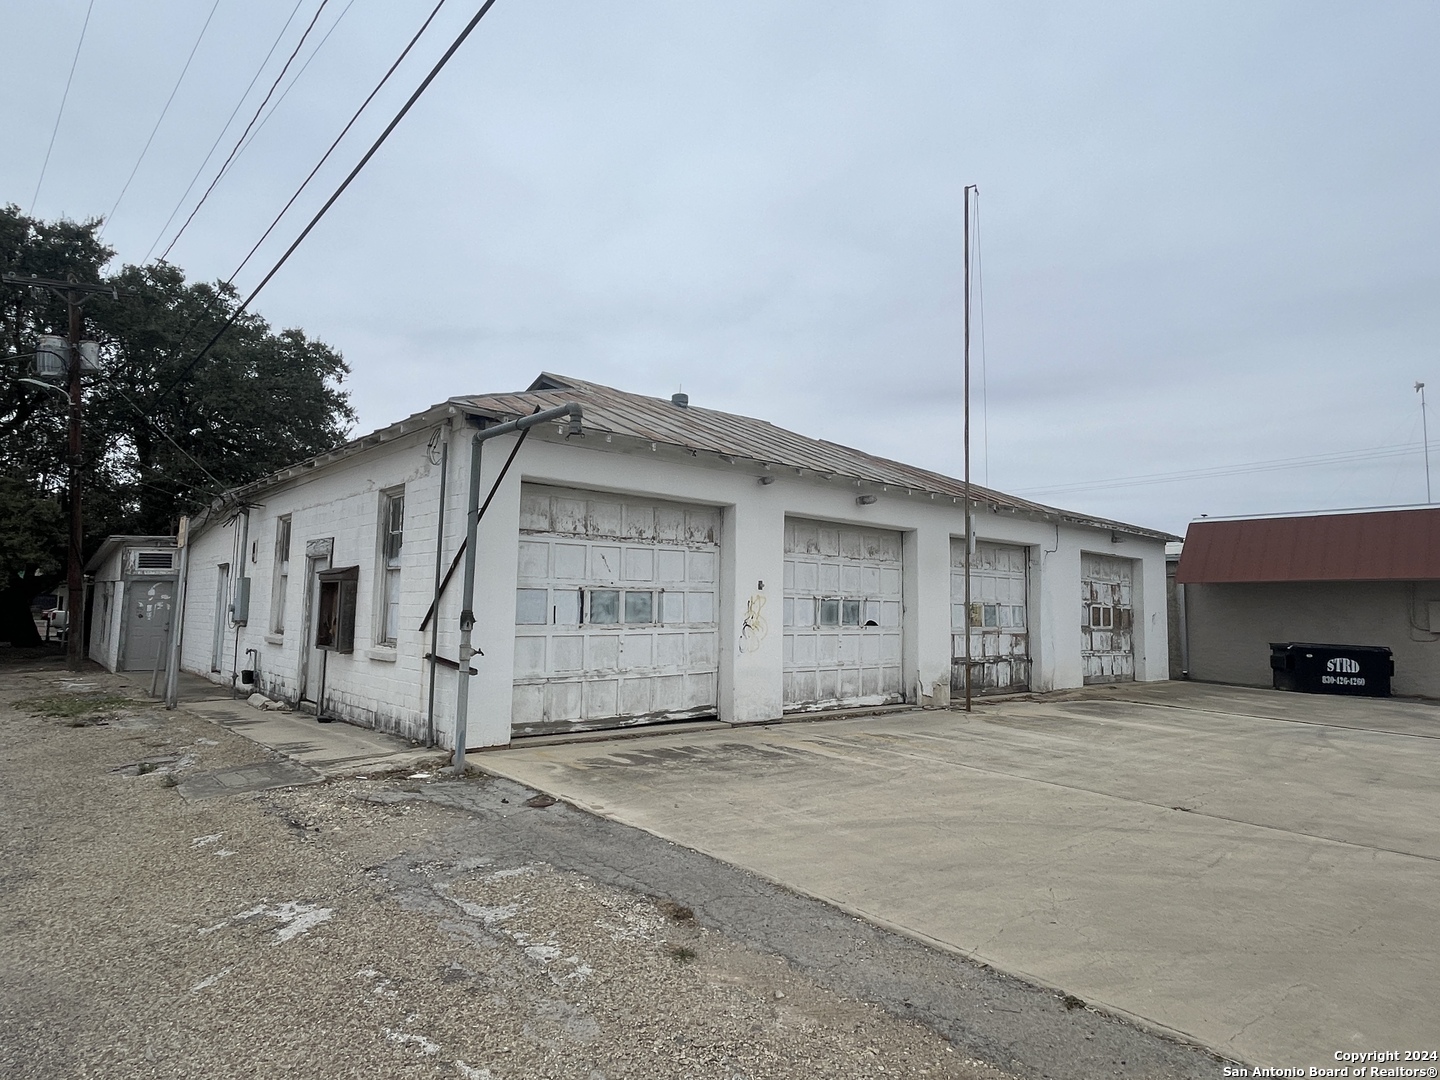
[[1425, 435], [969, 518]]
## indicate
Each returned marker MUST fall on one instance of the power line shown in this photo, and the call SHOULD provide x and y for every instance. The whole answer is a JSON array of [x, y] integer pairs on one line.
[[225, 165], [440, 64], [158, 122], [63, 98], [226, 127], [219, 487], [1273, 465], [326, 156], [294, 79]]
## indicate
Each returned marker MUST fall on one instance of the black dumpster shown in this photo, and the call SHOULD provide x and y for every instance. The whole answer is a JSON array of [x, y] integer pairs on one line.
[[1331, 669]]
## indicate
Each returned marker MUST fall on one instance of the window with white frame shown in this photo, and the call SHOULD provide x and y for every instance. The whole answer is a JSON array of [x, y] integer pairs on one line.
[[392, 534], [282, 575]]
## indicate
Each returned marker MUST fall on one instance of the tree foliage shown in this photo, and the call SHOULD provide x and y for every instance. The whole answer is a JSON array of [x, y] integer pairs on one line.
[[159, 441]]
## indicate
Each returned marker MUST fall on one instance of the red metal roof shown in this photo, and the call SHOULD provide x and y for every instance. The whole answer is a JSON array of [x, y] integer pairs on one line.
[[1387, 545]]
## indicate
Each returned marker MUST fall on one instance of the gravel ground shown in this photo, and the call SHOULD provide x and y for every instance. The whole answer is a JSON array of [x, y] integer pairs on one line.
[[369, 928]]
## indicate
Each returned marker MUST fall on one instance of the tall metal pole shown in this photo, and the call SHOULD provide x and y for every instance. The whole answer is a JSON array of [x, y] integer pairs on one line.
[[75, 575], [969, 522], [1425, 435]]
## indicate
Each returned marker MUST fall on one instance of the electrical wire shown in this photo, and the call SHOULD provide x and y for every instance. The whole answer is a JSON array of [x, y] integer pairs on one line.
[[326, 156], [225, 165], [63, 98], [219, 487], [394, 123], [215, 145], [146, 149], [1273, 465], [293, 80]]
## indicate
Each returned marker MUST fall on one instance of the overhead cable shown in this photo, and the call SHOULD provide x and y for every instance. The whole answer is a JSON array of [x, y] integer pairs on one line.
[[63, 98], [224, 128], [234, 317], [1273, 465], [326, 156], [173, 90], [225, 165], [294, 79]]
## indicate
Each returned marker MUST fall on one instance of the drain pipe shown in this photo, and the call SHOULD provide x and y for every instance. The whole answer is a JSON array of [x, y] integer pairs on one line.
[[472, 528], [439, 566]]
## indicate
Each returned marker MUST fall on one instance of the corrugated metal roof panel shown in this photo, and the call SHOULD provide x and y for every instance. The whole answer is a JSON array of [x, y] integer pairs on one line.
[[658, 420], [1390, 545]]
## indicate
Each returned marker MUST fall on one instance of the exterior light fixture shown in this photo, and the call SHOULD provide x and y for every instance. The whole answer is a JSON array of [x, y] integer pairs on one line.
[[765, 481], [866, 500]]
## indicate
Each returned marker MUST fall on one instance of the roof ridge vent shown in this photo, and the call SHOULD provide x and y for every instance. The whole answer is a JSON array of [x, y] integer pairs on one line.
[[680, 401]]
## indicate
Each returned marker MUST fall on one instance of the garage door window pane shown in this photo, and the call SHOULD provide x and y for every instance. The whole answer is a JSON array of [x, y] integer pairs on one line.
[[531, 607], [639, 607], [605, 606], [850, 613], [829, 612], [566, 603]]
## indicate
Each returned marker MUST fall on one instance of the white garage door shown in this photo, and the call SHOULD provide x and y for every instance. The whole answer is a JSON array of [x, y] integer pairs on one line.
[[615, 611], [999, 618], [1106, 618], [842, 616]]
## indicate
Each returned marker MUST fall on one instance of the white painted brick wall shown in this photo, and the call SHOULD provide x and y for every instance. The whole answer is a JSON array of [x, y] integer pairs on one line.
[[343, 501]]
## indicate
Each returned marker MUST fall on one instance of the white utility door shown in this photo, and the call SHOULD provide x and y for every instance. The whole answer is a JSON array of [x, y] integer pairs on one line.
[[1107, 618], [999, 618], [311, 658], [842, 616], [615, 614]]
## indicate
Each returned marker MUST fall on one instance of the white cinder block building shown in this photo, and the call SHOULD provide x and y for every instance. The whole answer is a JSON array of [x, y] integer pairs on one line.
[[132, 598], [667, 562]]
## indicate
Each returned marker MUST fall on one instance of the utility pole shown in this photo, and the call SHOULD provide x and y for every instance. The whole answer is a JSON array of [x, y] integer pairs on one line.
[[969, 521], [75, 294], [1425, 436]]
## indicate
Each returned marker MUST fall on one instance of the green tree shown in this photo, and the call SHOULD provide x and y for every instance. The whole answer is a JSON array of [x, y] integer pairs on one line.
[[161, 439]]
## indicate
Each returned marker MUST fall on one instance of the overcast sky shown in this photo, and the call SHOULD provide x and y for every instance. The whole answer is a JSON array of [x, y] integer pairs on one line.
[[1208, 232]]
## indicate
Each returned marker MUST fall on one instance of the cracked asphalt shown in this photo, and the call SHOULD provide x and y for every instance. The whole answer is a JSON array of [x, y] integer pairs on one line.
[[398, 926]]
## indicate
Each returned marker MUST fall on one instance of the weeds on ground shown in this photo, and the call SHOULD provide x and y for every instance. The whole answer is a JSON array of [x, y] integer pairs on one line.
[[73, 705], [671, 910], [682, 954]]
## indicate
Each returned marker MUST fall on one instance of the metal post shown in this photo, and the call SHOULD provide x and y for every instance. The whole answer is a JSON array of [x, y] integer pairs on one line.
[[1425, 434], [472, 529], [439, 569], [969, 519], [177, 620]]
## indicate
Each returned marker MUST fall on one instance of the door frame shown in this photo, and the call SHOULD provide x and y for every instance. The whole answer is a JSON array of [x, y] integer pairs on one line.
[[222, 592], [317, 558]]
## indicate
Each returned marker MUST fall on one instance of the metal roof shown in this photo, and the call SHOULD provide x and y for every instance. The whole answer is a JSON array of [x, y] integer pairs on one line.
[[111, 544], [726, 436], [1391, 545], [730, 436]]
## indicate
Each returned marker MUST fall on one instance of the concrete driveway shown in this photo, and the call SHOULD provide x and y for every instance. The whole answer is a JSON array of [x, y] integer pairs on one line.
[[1257, 871]]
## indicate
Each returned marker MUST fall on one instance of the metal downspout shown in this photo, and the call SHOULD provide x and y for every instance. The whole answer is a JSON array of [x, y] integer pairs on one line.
[[439, 569], [177, 622], [1184, 621], [472, 528]]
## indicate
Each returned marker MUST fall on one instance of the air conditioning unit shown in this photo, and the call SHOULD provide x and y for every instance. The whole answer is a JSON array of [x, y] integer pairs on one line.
[[149, 562]]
